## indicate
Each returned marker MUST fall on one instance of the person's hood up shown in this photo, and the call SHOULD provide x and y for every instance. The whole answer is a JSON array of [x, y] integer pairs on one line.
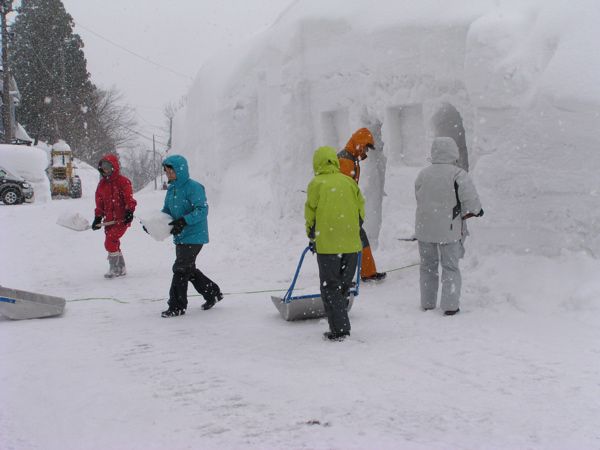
[[444, 151], [358, 142], [325, 161], [180, 166], [114, 161]]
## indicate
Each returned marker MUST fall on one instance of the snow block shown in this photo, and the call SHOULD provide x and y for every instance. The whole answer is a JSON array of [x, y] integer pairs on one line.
[[157, 224], [73, 221]]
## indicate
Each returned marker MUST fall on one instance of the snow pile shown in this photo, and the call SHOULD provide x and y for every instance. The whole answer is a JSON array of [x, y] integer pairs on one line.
[[29, 163], [156, 224], [89, 177], [518, 51], [519, 77], [61, 146]]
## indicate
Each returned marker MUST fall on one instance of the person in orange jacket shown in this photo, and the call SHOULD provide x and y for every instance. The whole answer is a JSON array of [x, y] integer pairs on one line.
[[355, 151]]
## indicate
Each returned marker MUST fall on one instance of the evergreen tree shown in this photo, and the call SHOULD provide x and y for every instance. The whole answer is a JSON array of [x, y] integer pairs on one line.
[[50, 68]]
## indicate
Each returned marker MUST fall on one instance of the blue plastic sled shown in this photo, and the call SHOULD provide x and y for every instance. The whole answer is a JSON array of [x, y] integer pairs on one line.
[[302, 307]]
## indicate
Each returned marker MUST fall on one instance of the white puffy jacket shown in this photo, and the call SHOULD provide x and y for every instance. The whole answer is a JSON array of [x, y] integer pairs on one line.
[[437, 187]]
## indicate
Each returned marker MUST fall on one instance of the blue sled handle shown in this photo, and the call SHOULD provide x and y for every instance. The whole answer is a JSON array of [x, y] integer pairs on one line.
[[288, 297]]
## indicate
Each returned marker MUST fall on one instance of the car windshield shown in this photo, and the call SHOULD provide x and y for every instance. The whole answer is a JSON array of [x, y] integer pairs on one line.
[[5, 173]]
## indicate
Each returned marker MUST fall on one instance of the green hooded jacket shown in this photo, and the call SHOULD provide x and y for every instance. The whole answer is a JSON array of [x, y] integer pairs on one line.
[[334, 206]]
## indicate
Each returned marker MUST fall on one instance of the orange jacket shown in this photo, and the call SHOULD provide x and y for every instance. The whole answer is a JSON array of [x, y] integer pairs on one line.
[[354, 152]]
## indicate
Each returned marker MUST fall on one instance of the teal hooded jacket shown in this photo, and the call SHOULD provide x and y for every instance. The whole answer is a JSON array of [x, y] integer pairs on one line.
[[186, 198]]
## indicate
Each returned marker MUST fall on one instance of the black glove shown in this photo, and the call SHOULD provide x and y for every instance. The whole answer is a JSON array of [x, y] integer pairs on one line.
[[178, 226], [128, 216], [96, 223], [312, 247], [480, 213]]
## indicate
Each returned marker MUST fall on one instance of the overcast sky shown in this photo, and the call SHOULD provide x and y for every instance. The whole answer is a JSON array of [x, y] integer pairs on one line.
[[176, 34]]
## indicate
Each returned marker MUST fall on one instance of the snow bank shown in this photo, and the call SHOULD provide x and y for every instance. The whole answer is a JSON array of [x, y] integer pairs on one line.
[[518, 51], [89, 178], [514, 82], [29, 163]]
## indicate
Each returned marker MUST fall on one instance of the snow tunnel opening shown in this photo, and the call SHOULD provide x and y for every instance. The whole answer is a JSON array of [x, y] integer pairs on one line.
[[447, 122], [405, 133]]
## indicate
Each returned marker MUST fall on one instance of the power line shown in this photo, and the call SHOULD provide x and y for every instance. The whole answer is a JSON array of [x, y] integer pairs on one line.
[[144, 136], [134, 53], [161, 127]]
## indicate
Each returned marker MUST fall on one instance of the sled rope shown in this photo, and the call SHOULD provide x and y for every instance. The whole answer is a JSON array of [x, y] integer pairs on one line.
[[154, 299], [263, 291], [96, 298], [404, 267]]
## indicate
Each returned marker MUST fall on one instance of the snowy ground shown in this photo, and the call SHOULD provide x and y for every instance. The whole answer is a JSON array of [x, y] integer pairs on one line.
[[517, 368]]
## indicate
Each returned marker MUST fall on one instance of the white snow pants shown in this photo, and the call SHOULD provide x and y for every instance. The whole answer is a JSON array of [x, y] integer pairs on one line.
[[431, 256]]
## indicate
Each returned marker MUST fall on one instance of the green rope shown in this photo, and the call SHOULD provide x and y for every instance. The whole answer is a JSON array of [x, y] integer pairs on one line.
[[96, 298], [405, 267], [264, 291]]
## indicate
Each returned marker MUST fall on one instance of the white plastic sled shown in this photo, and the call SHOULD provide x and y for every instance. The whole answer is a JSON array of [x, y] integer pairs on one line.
[[308, 306], [17, 305]]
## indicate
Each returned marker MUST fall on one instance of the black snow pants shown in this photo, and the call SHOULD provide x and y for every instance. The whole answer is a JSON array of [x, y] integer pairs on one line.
[[185, 270], [336, 273]]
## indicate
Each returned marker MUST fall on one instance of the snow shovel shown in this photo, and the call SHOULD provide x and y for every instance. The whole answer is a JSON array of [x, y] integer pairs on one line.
[[18, 305], [78, 223], [308, 306]]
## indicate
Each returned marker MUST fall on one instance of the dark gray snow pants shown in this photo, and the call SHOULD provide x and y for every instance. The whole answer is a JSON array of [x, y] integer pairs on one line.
[[336, 273]]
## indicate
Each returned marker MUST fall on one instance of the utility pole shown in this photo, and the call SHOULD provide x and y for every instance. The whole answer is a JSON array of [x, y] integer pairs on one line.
[[5, 9], [154, 161]]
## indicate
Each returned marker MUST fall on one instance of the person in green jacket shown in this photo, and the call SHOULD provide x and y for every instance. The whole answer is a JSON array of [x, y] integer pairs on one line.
[[334, 210]]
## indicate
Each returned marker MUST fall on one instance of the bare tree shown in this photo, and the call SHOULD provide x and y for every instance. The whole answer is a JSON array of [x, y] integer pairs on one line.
[[110, 126], [116, 117], [137, 164]]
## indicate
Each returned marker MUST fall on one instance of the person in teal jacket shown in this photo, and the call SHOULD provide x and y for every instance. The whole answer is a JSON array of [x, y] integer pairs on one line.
[[333, 214], [186, 203]]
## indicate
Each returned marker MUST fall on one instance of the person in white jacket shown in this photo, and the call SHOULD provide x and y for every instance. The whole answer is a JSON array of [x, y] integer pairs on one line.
[[446, 197]]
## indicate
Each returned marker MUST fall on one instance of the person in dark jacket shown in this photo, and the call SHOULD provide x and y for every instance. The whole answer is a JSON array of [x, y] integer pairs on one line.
[[333, 211], [185, 202], [114, 203], [446, 198]]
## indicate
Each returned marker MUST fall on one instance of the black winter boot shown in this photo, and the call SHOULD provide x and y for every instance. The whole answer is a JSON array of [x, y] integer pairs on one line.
[[337, 337], [377, 276], [172, 312], [212, 301]]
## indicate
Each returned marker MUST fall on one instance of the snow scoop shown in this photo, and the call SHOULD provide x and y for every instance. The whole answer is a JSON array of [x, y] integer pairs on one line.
[[308, 306], [78, 223], [17, 305]]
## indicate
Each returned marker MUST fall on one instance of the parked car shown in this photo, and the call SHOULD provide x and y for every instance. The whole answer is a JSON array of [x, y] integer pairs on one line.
[[14, 189]]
